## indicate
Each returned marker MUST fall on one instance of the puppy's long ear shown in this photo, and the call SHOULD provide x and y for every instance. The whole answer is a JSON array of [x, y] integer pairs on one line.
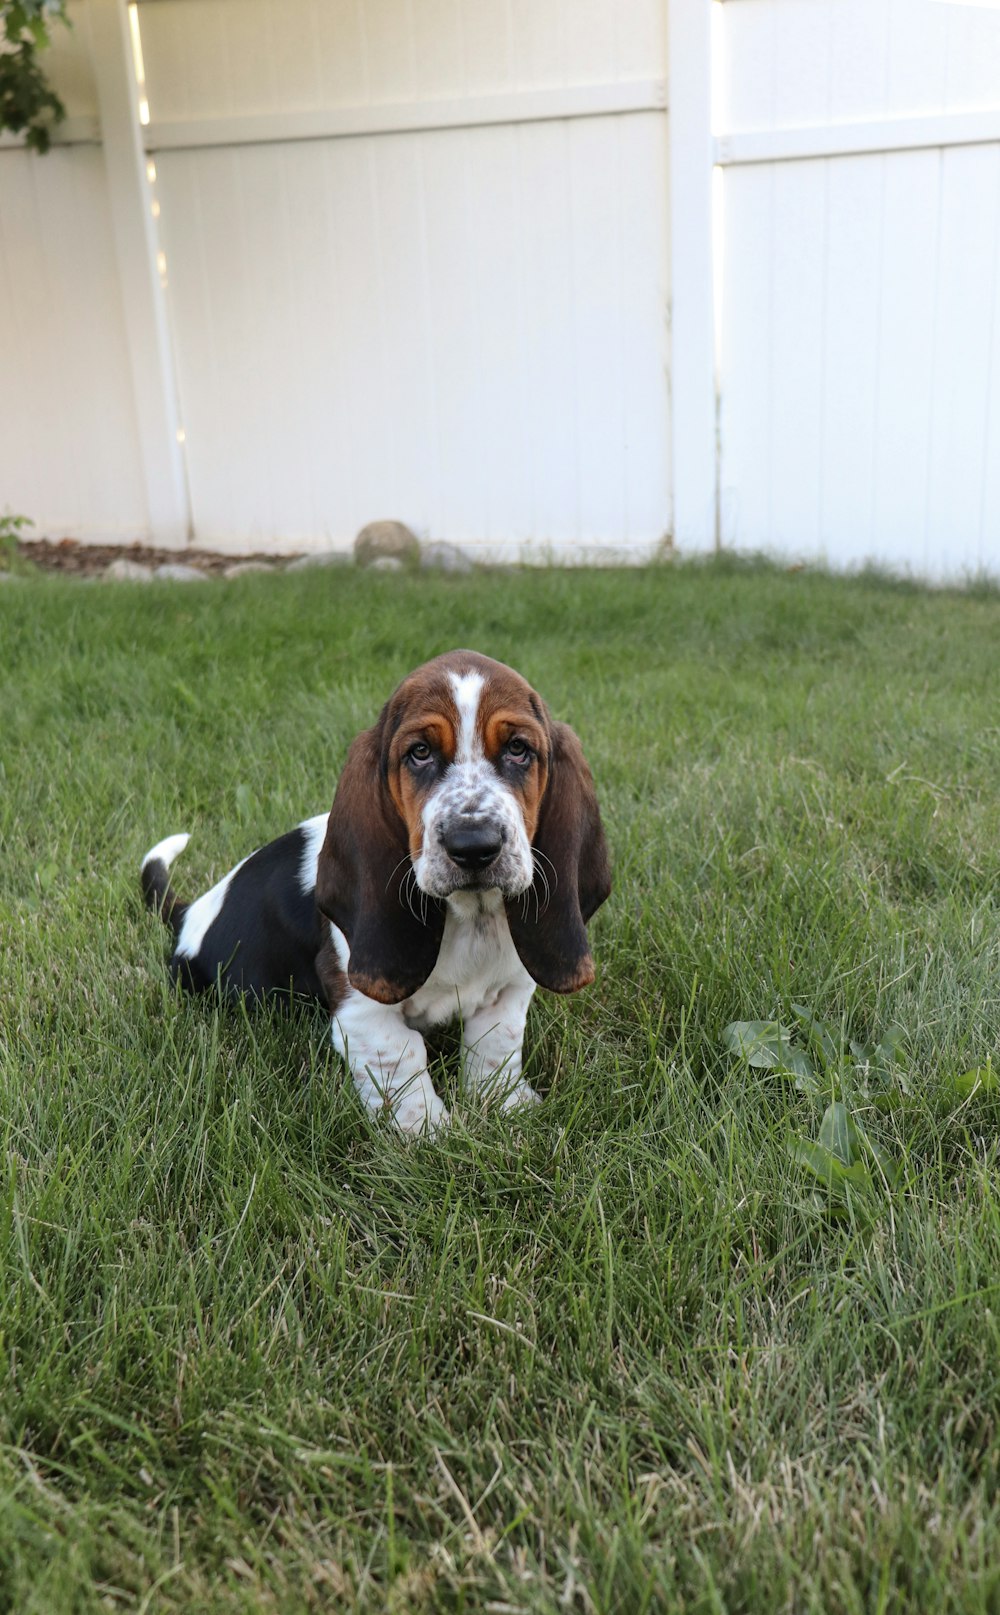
[[363, 864], [572, 874]]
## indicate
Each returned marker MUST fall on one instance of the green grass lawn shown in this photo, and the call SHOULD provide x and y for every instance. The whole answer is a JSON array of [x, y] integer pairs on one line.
[[623, 1353]]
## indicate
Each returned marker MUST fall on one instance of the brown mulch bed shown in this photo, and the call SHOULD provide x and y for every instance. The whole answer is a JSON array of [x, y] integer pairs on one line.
[[69, 556]]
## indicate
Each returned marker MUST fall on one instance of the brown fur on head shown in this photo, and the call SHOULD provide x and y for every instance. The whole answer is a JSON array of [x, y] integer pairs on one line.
[[463, 741]]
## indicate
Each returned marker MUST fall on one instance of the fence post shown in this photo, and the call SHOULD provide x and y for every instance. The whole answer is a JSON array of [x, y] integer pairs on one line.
[[143, 300], [692, 363]]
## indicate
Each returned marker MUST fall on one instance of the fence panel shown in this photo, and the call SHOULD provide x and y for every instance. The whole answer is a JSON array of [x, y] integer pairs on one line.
[[448, 305], [458, 328], [69, 453], [859, 348]]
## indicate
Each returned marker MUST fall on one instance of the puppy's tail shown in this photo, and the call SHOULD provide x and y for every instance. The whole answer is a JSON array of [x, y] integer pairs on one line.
[[154, 878]]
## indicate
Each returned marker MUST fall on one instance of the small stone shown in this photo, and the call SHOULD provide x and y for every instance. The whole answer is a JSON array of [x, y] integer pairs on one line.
[[302, 563], [385, 563], [177, 572], [440, 556], [392, 540], [240, 569], [124, 570]]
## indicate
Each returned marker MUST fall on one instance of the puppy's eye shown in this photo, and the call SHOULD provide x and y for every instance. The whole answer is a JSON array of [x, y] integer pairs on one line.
[[518, 750], [419, 753]]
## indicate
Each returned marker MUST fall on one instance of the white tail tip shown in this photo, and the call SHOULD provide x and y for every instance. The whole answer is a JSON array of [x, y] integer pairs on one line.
[[167, 850]]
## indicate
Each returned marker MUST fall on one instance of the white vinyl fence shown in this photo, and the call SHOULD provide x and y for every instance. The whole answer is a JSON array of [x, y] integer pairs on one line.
[[859, 282], [412, 257], [558, 277], [70, 450]]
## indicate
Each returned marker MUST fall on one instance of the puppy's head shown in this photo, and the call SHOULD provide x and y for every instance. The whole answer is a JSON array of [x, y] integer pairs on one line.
[[464, 785]]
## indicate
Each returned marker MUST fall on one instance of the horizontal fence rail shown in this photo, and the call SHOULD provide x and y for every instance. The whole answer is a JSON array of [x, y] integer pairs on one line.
[[865, 137], [84, 130], [411, 117]]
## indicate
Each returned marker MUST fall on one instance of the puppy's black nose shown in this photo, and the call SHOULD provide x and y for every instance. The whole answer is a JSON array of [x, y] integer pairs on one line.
[[471, 845]]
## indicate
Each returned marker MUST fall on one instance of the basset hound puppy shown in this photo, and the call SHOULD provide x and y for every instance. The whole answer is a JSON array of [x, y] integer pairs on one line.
[[456, 870]]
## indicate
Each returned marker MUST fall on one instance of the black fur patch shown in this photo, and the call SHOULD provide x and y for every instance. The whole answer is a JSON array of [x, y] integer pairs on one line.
[[266, 936]]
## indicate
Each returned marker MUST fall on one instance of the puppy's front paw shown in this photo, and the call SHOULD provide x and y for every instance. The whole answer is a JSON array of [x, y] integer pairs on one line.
[[420, 1115], [521, 1096]]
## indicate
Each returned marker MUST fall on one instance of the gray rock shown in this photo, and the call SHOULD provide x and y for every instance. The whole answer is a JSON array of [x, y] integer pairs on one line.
[[177, 572], [323, 558], [240, 569], [385, 563], [9, 577], [385, 540], [440, 556], [124, 570]]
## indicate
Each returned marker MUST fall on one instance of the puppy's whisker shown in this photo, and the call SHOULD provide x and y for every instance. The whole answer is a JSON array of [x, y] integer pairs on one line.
[[536, 854], [405, 859], [406, 891], [540, 886]]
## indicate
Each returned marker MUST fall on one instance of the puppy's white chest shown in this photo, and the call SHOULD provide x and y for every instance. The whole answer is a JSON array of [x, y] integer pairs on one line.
[[476, 961]]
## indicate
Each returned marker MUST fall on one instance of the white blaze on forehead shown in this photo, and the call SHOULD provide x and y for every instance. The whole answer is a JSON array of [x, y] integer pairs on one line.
[[468, 688]]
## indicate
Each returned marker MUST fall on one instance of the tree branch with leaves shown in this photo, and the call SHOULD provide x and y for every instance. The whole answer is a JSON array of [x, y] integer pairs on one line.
[[27, 101]]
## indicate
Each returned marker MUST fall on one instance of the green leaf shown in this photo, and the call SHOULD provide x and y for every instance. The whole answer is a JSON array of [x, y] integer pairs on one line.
[[889, 1099], [839, 1135], [818, 1160], [244, 802], [838, 1158], [760, 1043], [767, 1047], [879, 1056], [27, 101], [15, 22], [859, 1178], [982, 1079], [890, 1045], [799, 1065], [888, 1167], [804, 1082], [849, 1188], [821, 1033], [46, 875]]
